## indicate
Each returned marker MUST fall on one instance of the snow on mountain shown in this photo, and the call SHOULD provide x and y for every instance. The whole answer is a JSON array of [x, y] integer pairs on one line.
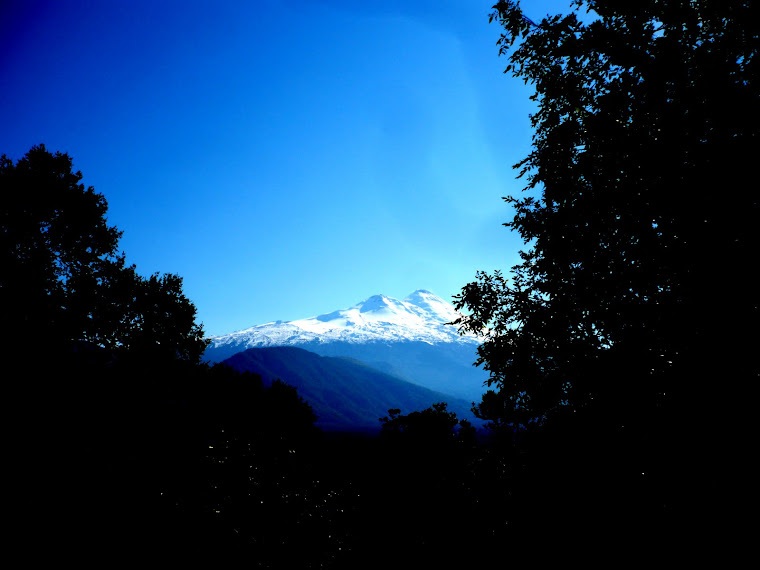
[[420, 317], [411, 339]]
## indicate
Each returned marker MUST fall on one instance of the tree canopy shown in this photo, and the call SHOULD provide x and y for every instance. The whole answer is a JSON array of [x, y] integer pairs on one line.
[[639, 213], [63, 277], [120, 433], [621, 349], [434, 425]]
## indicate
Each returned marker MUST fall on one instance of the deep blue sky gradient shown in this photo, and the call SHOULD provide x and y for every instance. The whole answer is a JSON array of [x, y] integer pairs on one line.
[[285, 158]]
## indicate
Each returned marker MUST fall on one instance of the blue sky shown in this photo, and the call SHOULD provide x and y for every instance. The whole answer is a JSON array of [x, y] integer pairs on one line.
[[285, 158]]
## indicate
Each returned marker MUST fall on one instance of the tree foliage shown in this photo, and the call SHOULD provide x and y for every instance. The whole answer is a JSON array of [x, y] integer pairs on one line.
[[640, 212], [63, 277], [120, 433], [434, 425]]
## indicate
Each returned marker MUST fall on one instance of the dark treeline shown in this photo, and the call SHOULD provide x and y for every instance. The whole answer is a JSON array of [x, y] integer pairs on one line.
[[124, 445], [624, 340]]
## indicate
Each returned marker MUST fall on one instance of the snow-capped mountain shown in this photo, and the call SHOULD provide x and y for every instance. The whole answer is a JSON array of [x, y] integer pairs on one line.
[[410, 338], [422, 316]]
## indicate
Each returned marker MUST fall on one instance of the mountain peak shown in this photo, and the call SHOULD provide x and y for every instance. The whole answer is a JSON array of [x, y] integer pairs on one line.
[[421, 292], [412, 338], [422, 316], [432, 305], [377, 303]]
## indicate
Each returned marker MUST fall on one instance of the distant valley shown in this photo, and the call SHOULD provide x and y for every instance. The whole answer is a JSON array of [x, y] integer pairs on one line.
[[345, 394], [353, 364]]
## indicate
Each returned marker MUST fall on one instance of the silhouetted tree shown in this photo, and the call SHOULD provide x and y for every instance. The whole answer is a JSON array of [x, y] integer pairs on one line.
[[90, 349], [620, 327], [122, 435], [432, 426], [638, 216], [62, 276]]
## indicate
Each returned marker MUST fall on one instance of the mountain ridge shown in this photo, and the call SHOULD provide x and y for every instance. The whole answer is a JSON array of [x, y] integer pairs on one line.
[[421, 316], [412, 339], [345, 394]]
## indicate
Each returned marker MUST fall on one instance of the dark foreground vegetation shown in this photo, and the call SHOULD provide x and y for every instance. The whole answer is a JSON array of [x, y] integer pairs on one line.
[[123, 462], [621, 353]]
